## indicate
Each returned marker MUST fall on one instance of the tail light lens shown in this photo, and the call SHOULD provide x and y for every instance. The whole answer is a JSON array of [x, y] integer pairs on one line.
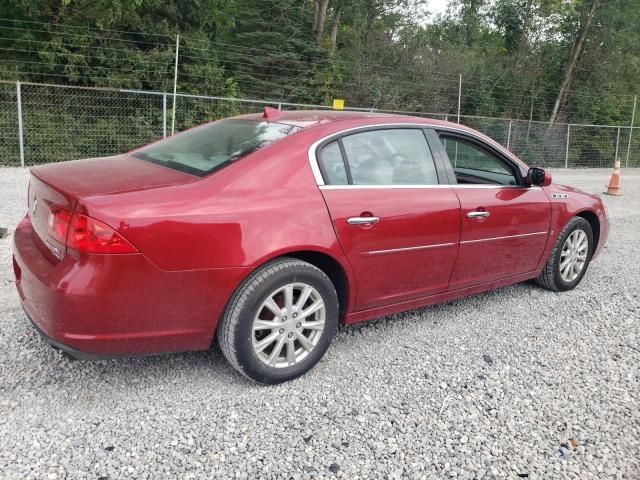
[[58, 223], [85, 234], [92, 236]]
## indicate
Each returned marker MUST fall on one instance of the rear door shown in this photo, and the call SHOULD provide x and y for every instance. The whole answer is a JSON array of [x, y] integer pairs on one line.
[[505, 224], [397, 224]]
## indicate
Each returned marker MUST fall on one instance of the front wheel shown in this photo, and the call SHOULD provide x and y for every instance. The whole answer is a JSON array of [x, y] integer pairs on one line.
[[570, 258], [280, 321]]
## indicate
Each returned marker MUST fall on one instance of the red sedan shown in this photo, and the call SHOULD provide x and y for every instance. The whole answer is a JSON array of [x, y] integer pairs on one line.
[[267, 230]]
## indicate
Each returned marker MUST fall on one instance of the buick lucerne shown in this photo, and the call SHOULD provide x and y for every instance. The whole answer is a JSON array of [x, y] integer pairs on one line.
[[265, 231]]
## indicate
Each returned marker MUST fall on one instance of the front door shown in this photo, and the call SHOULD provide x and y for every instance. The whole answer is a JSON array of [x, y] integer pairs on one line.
[[505, 223], [398, 227]]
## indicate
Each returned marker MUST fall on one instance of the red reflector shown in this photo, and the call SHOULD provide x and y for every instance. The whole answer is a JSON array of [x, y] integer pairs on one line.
[[89, 235], [58, 223]]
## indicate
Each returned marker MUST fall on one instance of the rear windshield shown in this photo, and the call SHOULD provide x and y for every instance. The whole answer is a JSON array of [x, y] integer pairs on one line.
[[202, 150]]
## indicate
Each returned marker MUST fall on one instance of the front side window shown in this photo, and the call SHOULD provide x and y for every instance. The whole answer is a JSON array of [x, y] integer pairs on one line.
[[475, 165], [398, 156], [202, 150]]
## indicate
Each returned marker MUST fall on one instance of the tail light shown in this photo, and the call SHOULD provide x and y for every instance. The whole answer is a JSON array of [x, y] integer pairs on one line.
[[89, 235], [58, 223], [85, 234]]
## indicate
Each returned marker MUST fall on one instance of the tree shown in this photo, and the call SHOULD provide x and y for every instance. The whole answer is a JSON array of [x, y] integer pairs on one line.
[[577, 50]]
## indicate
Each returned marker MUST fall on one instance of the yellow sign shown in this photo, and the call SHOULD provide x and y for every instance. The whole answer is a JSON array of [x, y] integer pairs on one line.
[[338, 104]]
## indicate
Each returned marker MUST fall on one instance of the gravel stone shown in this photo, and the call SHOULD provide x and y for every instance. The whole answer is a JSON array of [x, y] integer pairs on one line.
[[407, 396], [488, 359]]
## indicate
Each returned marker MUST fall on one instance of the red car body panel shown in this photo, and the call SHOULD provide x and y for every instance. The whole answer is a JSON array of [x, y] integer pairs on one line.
[[519, 223], [99, 176], [576, 202], [119, 304], [198, 238], [389, 258]]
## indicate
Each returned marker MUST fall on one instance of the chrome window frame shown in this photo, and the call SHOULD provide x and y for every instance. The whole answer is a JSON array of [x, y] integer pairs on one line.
[[317, 174]]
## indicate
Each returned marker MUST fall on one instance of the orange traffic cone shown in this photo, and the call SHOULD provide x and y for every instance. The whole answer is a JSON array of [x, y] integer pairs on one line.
[[614, 184]]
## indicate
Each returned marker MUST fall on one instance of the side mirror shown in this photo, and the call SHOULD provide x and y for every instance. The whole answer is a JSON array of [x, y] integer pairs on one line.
[[539, 177]]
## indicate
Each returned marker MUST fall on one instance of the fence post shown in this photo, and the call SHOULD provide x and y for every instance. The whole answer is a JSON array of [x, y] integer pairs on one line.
[[566, 155], [617, 143], [530, 118], [164, 115], [20, 131], [459, 96], [175, 86], [509, 135], [633, 118]]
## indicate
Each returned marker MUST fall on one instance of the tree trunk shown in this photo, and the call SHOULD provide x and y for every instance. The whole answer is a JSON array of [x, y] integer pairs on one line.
[[334, 29], [321, 19], [316, 9], [576, 52]]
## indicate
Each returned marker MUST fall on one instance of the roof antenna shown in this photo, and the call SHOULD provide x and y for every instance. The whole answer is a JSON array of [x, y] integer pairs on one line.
[[271, 113]]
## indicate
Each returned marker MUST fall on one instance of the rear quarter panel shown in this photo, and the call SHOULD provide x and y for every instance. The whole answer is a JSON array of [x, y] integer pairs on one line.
[[263, 206]]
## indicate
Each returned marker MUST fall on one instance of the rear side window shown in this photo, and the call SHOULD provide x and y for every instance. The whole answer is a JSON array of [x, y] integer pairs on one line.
[[398, 156], [332, 165], [202, 150]]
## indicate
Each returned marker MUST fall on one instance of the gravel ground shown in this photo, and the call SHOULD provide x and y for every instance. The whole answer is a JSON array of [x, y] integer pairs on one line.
[[515, 383]]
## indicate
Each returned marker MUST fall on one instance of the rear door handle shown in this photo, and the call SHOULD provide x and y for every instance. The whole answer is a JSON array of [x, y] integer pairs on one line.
[[478, 214], [362, 220]]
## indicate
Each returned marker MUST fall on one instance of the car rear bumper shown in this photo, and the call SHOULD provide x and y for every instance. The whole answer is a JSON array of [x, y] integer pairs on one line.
[[73, 352], [97, 306]]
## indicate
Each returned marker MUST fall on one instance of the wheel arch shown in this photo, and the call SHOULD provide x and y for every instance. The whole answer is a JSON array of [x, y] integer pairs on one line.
[[336, 269], [594, 222], [332, 268]]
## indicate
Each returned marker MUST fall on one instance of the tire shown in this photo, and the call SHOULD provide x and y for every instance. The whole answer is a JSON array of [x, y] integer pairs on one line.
[[551, 276], [247, 309]]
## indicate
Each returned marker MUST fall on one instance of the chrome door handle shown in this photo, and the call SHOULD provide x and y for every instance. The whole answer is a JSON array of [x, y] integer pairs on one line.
[[482, 214], [362, 220]]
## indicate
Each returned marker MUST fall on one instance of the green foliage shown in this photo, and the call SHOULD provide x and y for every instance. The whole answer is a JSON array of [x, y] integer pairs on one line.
[[511, 53], [387, 55]]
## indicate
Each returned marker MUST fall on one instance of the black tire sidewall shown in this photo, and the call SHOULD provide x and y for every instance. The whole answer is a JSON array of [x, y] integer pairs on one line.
[[578, 223], [253, 367]]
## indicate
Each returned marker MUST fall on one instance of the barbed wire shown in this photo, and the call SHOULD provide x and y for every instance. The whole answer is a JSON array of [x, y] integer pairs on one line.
[[324, 60], [432, 87], [51, 24], [434, 76]]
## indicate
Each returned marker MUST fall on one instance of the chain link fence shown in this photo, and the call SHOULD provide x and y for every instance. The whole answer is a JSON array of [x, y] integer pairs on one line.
[[9, 134], [64, 123]]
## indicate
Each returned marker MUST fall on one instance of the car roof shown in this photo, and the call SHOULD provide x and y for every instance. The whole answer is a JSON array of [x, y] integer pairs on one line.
[[310, 118], [306, 119]]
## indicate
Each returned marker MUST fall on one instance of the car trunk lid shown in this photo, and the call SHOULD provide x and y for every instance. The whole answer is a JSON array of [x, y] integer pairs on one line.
[[59, 186], [101, 176]]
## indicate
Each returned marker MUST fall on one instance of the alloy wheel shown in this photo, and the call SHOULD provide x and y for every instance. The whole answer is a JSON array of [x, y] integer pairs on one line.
[[288, 325], [573, 256]]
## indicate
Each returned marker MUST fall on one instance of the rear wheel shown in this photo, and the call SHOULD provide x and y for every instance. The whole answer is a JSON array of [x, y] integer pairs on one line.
[[280, 321], [570, 258]]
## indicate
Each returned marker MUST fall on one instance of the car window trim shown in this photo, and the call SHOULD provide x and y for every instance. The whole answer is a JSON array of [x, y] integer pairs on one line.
[[345, 161], [318, 145], [408, 186], [311, 153]]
